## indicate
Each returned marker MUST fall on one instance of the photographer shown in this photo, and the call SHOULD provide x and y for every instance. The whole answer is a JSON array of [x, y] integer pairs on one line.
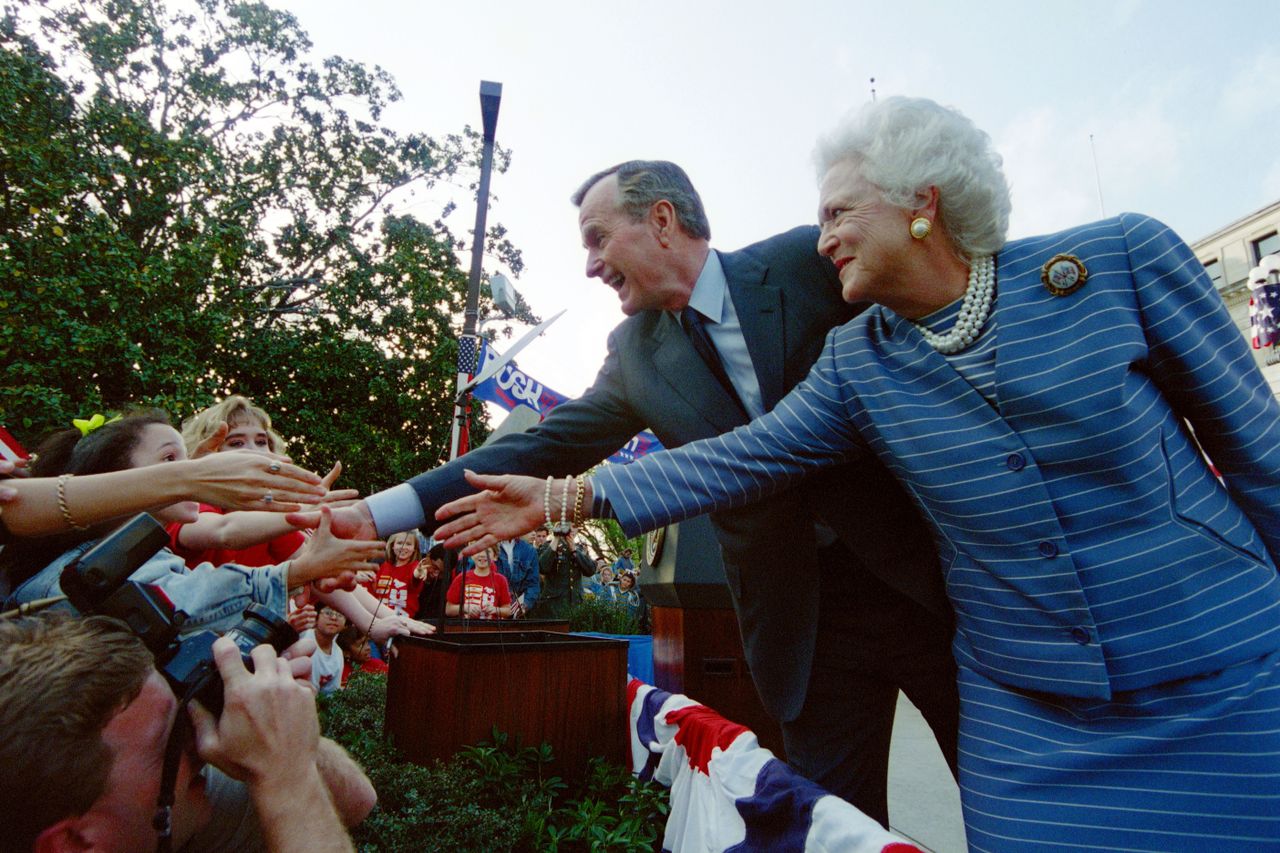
[[84, 722], [563, 563]]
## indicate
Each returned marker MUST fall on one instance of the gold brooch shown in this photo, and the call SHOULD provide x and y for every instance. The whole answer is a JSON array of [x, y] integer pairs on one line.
[[1063, 275]]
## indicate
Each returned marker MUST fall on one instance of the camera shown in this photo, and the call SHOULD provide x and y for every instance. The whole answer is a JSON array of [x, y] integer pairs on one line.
[[98, 583], [561, 528]]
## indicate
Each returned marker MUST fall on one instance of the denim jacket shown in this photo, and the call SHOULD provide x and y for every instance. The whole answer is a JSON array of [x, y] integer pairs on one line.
[[523, 576], [213, 598]]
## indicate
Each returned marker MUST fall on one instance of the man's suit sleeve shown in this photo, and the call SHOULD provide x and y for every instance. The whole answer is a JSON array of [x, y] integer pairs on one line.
[[809, 429], [575, 436], [1202, 365]]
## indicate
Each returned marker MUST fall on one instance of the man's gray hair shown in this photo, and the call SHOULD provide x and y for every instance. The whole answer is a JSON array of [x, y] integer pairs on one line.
[[641, 183], [905, 145]]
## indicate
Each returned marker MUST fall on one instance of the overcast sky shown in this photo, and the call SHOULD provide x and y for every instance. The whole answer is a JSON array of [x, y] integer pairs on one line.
[[1179, 95]]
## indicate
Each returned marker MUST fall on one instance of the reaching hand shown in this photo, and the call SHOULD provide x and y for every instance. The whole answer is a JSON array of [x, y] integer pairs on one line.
[[325, 555], [418, 628], [213, 442], [303, 618], [386, 627], [10, 469], [299, 657], [507, 506], [15, 468], [337, 497], [240, 479], [268, 731], [349, 522]]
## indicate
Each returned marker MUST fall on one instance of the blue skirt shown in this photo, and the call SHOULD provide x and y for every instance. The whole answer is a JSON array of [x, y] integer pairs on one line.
[[1192, 765]]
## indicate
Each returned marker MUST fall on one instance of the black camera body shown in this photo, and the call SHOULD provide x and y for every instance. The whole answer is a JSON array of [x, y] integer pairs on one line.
[[98, 583]]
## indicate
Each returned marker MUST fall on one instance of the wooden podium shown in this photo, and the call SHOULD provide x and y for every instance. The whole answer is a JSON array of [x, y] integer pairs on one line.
[[697, 645], [461, 626], [446, 692]]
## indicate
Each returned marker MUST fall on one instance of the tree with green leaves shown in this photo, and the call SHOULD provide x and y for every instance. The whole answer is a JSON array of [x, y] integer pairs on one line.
[[192, 205]]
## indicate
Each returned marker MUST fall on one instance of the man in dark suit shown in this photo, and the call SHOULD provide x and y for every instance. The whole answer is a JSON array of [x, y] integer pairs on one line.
[[835, 619]]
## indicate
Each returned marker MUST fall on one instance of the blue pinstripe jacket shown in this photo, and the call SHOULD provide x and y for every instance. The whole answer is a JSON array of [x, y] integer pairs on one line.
[[1087, 545]]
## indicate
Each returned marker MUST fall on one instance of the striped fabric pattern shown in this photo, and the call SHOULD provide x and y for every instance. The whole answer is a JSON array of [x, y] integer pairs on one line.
[[976, 363], [1088, 547], [1190, 766]]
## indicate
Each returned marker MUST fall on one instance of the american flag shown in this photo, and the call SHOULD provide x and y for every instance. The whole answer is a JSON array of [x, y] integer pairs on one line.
[[468, 354], [468, 365]]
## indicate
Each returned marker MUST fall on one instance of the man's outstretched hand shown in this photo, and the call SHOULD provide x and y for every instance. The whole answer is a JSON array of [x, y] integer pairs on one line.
[[505, 506], [349, 522]]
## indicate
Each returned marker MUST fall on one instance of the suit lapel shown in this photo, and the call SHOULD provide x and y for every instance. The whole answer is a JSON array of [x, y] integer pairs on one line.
[[759, 309], [677, 362]]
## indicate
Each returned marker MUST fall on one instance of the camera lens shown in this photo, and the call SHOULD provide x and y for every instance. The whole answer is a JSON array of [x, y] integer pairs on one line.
[[260, 626]]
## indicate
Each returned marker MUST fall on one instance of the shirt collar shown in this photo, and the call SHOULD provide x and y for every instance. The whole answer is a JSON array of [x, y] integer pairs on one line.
[[710, 289]]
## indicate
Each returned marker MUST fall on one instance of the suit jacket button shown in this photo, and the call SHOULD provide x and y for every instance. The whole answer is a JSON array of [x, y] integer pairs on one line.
[[1048, 549], [1080, 635], [1016, 462]]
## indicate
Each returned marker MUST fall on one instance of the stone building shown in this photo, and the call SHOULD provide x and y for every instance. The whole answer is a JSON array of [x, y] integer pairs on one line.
[[1228, 254]]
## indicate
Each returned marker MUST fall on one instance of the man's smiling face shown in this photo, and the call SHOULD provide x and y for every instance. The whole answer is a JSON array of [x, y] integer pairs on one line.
[[626, 253]]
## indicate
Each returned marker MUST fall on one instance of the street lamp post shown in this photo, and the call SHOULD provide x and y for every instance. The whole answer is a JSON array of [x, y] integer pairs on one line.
[[469, 342]]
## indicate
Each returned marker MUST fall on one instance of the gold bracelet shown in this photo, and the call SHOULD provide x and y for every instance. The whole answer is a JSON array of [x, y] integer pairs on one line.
[[62, 503], [577, 503]]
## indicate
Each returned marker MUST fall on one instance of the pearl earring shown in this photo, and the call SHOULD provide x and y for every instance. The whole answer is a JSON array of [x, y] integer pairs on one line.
[[921, 227]]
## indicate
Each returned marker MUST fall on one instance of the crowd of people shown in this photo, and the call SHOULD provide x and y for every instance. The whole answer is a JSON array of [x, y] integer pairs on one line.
[[1033, 484], [220, 488]]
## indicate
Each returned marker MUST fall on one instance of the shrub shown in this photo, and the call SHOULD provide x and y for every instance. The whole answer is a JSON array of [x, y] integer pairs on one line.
[[603, 617], [491, 797]]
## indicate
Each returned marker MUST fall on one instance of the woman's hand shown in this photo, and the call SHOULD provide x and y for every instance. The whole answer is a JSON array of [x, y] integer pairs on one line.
[[386, 627], [337, 497], [419, 628], [241, 480], [507, 506], [326, 556]]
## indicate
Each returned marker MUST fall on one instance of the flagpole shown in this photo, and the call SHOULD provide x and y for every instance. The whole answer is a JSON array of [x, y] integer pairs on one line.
[[468, 342]]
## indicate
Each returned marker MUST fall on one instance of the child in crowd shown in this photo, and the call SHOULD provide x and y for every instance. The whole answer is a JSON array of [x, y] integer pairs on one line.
[[602, 585], [434, 585], [326, 660], [400, 577], [358, 654], [487, 595], [628, 596]]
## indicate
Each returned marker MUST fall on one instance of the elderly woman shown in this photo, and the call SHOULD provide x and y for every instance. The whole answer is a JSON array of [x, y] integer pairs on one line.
[[1117, 605]]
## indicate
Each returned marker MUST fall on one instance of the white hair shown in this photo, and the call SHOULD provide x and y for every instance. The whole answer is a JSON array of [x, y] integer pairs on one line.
[[903, 146]]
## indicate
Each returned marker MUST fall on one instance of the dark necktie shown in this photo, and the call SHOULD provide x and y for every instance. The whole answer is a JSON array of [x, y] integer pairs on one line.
[[694, 326]]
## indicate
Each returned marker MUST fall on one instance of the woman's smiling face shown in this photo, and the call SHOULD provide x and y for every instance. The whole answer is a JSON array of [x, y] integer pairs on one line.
[[159, 443]]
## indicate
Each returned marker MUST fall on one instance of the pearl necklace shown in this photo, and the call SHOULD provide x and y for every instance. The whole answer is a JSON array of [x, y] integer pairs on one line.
[[978, 296]]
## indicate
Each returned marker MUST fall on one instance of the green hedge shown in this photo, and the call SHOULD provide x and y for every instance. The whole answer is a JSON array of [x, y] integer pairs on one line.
[[491, 797], [603, 617]]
